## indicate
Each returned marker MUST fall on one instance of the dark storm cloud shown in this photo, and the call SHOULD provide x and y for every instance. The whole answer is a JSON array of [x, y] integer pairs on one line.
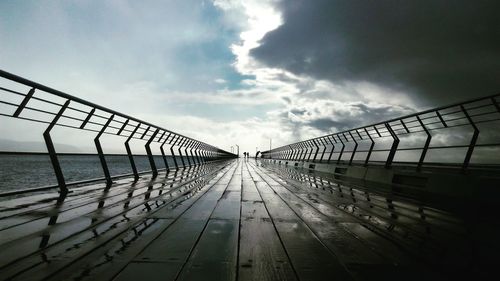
[[352, 115], [439, 51], [326, 124]]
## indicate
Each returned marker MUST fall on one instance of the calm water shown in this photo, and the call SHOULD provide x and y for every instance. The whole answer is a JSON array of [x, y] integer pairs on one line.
[[25, 171]]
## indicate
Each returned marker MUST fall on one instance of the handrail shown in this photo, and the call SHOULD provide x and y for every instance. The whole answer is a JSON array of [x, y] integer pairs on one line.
[[115, 123], [415, 133]]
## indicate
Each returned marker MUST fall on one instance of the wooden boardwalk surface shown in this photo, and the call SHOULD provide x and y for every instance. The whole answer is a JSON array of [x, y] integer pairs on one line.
[[234, 220]]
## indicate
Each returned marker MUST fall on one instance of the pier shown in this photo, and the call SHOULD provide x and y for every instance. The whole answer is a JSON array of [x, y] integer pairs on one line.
[[380, 202]]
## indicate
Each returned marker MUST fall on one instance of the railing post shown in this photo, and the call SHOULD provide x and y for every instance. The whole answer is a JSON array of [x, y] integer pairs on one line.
[[441, 119], [52, 151], [295, 152], [188, 146], [473, 140], [208, 152], [404, 126], [371, 147], [201, 151], [317, 150], [198, 158], [377, 131], [394, 147], [309, 154], [306, 154], [24, 102], [163, 153], [191, 149], [172, 150], [150, 154], [341, 150], [129, 152], [426, 146], [324, 149], [333, 147], [194, 153], [87, 119], [298, 147], [205, 153], [302, 147], [185, 146], [145, 132], [101, 153], [121, 129], [180, 152], [355, 148]]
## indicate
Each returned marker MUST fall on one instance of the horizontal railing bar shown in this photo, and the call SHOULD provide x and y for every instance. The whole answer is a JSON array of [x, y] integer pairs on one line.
[[64, 125], [409, 163], [394, 133], [417, 148], [73, 153], [120, 122], [61, 94], [12, 91]]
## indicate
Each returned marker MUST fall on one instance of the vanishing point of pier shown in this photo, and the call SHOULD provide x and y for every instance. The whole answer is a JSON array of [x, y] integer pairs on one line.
[[386, 201]]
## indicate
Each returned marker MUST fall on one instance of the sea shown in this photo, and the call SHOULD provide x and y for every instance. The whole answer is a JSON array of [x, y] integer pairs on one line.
[[21, 171]]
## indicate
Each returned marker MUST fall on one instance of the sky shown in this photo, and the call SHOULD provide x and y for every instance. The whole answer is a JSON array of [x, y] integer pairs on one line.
[[240, 72]]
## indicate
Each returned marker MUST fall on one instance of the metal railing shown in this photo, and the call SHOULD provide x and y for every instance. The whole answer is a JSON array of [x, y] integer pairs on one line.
[[28, 100], [461, 135]]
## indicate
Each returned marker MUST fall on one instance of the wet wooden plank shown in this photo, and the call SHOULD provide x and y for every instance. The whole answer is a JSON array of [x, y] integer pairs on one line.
[[76, 207], [346, 246], [397, 234], [175, 244], [99, 270], [309, 256], [148, 271], [261, 254], [173, 247], [83, 242], [229, 205], [214, 257], [350, 248]]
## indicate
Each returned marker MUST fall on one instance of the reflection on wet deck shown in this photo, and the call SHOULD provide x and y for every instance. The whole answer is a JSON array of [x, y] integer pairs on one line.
[[234, 220]]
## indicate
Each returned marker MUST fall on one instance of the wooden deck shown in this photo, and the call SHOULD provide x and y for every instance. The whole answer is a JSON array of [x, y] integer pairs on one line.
[[236, 220]]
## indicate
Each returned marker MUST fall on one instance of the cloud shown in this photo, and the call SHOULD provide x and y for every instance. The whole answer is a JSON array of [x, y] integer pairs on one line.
[[307, 105], [249, 71], [220, 81], [328, 116], [437, 51]]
